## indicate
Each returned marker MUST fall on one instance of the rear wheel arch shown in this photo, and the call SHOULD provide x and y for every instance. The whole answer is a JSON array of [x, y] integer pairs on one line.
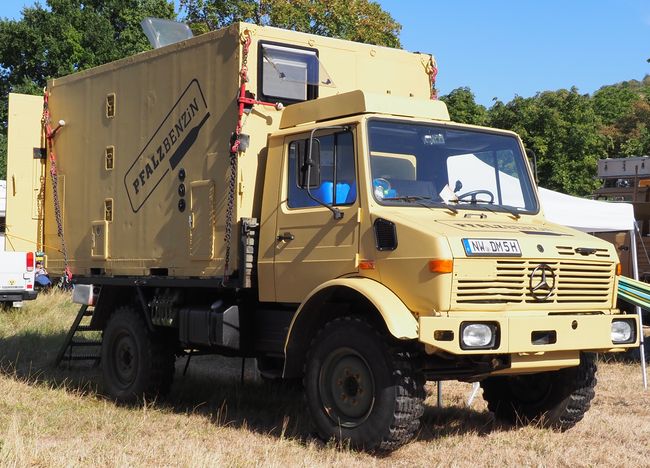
[[343, 297], [110, 299]]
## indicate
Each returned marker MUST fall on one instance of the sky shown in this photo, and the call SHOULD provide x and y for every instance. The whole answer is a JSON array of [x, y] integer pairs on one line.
[[503, 48]]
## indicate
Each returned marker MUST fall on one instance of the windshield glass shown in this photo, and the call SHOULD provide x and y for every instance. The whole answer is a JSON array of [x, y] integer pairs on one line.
[[429, 164]]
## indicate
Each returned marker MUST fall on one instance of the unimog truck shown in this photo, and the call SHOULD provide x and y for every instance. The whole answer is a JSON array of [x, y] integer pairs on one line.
[[307, 202]]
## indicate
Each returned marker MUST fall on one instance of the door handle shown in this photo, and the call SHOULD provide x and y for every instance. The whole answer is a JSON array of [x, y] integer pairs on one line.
[[287, 236]]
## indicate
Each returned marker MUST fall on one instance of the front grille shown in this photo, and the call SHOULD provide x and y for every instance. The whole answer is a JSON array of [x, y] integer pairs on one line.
[[575, 282], [571, 251]]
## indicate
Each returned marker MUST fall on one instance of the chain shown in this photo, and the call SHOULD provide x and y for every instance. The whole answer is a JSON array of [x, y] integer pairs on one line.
[[232, 186], [243, 100], [431, 69], [234, 150], [49, 135]]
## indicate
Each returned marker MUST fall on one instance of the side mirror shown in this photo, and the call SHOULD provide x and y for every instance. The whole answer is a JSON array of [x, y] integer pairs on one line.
[[309, 176], [458, 186], [532, 160]]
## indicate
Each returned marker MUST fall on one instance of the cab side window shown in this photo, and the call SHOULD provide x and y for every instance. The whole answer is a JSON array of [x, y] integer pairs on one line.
[[332, 176]]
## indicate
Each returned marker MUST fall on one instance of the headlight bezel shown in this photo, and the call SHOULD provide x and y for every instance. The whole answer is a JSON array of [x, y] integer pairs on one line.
[[492, 326], [631, 324]]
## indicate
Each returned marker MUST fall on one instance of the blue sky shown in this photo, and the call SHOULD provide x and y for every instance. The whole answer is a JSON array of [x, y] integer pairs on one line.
[[503, 48]]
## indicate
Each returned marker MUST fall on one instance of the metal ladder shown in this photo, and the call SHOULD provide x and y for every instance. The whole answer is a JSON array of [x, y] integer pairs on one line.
[[77, 338]]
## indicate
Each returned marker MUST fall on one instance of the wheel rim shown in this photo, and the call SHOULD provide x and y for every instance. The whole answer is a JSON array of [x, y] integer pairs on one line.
[[125, 359], [347, 387]]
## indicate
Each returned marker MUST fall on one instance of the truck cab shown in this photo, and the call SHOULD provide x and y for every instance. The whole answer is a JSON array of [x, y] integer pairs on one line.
[[432, 231], [443, 216]]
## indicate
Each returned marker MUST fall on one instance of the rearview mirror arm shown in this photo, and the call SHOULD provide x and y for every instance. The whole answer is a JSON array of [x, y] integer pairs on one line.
[[336, 213]]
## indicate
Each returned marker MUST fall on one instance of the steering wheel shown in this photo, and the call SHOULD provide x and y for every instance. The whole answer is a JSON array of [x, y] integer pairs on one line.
[[381, 186], [472, 194]]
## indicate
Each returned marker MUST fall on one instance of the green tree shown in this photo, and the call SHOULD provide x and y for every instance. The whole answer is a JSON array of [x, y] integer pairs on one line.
[[463, 107], [563, 130], [66, 36], [355, 20], [625, 111], [614, 102]]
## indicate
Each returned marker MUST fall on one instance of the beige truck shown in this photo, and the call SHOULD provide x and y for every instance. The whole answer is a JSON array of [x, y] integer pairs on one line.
[[303, 200]]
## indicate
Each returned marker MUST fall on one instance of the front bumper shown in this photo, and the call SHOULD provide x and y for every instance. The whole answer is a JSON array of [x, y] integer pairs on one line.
[[518, 334]]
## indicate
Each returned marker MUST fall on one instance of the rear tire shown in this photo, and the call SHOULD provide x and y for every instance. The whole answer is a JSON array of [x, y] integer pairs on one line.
[[359, 390], [556, 399], [136, 363]]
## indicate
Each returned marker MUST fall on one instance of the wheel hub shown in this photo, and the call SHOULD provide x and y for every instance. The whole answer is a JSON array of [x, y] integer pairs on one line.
[[347, 387], [126, 362]]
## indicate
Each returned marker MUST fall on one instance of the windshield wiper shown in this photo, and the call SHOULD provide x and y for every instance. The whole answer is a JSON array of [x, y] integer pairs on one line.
[[407, 198], [491, 206], [508, 209], [419, 199]]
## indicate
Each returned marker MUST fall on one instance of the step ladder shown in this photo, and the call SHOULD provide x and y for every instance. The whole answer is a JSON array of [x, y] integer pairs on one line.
[[77, 345]]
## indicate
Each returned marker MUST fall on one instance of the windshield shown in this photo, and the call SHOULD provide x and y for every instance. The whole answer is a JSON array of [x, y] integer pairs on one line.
[[418, 164]]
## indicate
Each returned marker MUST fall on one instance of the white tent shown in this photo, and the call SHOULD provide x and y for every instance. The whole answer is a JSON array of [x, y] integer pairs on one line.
[[586, 215]]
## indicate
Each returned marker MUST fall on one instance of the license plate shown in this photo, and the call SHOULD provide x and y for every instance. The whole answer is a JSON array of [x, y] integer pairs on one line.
[[492, 247]]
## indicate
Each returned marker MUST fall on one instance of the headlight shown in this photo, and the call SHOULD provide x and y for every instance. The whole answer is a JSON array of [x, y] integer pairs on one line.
[[477, 335], [623, 331]]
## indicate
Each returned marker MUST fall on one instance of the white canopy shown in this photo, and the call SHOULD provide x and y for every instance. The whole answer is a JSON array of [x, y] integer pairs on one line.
[[586, 215]]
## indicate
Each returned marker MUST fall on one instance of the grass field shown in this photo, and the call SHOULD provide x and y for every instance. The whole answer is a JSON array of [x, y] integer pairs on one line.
[[57, 417]]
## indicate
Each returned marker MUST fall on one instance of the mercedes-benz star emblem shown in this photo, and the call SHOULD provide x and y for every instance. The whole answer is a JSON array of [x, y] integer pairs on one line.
[[542, 282]]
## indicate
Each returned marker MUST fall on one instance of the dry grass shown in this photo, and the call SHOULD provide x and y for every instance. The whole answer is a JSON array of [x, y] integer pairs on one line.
[[56, 417]]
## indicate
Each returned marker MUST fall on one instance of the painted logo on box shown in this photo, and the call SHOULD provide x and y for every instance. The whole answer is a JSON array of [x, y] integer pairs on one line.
[[168, 145]]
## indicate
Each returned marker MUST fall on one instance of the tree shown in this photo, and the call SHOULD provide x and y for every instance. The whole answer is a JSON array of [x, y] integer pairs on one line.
[[614, 102], [66, 36], [625, 111], [463, 108], [563, 130], [355, 20]]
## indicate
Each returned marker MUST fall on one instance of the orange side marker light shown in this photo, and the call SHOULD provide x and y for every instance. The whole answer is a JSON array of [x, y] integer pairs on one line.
[[441, 266]]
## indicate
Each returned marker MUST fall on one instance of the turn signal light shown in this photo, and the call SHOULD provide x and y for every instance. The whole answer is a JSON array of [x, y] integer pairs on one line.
[[366, 265], [441, 266], [619, 269]]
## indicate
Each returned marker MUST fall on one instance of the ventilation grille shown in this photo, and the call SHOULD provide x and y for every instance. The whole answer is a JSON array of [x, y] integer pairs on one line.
[[575, 282], [385, 234], [568, 251]]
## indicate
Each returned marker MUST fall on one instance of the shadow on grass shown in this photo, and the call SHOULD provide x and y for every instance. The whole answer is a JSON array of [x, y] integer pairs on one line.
[[450, 421], [213, 388]]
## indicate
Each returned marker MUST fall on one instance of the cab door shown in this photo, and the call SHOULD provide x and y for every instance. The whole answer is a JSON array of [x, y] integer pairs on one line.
[[312, 246]]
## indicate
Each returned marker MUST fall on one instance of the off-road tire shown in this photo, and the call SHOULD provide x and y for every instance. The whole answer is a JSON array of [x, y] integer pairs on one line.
[[136, 363], [347, 357], [557, 400]]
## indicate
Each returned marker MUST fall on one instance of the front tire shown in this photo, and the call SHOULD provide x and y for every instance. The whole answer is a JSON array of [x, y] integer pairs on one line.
[[558, 399], [136, 363], [360, 391]]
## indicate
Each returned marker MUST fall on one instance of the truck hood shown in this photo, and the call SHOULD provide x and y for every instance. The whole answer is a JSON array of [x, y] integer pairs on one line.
[[537, 238]]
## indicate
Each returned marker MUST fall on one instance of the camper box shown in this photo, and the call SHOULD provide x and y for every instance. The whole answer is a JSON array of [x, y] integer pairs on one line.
[[143, 156]]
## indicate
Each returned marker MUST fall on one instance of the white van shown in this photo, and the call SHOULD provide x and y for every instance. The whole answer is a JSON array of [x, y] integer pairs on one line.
[[17, 277]]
